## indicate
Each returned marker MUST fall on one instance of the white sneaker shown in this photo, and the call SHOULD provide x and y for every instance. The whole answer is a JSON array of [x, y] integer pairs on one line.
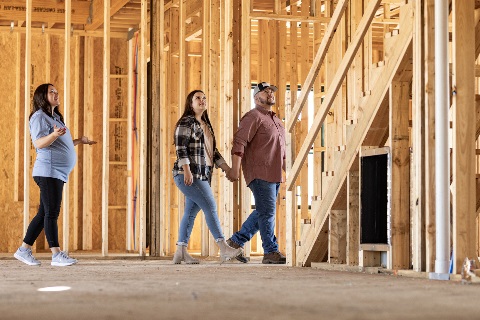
[[62, 260], [26, 257]]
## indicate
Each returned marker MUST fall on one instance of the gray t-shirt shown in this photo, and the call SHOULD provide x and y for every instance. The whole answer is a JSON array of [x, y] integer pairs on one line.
[[58, 159]]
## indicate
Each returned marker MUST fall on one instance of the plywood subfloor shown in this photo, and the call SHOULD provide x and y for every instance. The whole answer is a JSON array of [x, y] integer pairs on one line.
[[156, 289]]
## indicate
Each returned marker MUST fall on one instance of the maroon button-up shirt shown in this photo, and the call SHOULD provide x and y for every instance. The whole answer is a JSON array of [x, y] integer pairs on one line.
[[260, 141]]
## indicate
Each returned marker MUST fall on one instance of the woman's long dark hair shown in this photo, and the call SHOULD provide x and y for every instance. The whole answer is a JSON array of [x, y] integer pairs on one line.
[[40, 101], [188, 111]]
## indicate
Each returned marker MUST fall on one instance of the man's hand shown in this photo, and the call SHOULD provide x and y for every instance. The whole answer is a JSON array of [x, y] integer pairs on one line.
[[233, 175]]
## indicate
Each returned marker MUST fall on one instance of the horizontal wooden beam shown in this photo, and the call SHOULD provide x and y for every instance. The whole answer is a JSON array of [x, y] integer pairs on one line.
[[48, 11], [97, 12], [284, 17], [61, 32]]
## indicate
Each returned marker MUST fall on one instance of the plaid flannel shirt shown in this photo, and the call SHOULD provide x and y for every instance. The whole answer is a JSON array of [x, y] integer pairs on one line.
[[190, 149]]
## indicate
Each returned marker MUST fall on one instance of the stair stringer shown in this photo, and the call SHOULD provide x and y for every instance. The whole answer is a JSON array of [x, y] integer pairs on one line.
[[308, 250]]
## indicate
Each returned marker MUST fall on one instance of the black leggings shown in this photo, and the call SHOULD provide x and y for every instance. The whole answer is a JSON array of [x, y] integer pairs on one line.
[[51, 190]]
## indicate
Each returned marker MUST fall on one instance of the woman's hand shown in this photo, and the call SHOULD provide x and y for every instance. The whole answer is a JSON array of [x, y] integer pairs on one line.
[[187, 177], [57, 132], [46, 141], [85, 140]]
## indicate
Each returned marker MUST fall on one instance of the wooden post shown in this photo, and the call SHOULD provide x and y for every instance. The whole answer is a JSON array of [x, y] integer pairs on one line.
[[245, 98], [87, 154], [418, 169], [227, 107], [130, 189], [105, 132], [17, 194], [66, 110], [156, 46], [26, 129], [76, 134], [429, 89], [142, 199], [400, 155], [464, 129], [353, 214]]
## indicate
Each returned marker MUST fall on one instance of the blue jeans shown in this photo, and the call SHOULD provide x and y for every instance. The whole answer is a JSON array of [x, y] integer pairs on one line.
[[262, 218], [198, 197]]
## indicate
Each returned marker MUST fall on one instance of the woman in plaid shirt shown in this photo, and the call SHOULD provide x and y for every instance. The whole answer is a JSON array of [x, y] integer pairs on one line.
[[192, 172]]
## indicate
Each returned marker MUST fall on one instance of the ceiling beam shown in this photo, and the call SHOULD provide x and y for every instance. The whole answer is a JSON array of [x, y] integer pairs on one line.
[[97, 12]]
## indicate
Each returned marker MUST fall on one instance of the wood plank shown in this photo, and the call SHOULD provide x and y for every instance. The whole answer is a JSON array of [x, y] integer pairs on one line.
[[245, 97], [60, 32], [429, 91], [292, 231], [206, 52], [310, 238], [26, 129], [76, 120], [477, 39], [304, 70], [157, 19], [17, 193], [332, 91], [417, 183], [142, 199], [283, 17], [228, 107], [106, 125], [50, 11], [400, 180], [337, 243], [87, 237], [213, 95], [66, 110], [464, 125], [317, 62], [353, 214]]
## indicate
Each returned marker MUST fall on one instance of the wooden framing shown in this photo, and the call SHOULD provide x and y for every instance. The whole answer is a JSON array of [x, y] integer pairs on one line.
[[143, 129], [157, 63], [464, 125], [349, 53], [26, 130], [66, 110], [106, 122], [332, 91]]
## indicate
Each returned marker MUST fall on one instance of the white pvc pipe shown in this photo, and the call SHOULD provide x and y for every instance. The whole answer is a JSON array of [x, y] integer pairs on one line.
[[442, 176]]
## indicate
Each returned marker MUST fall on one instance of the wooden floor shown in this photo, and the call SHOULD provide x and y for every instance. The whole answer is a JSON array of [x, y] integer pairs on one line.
[[157, 289]]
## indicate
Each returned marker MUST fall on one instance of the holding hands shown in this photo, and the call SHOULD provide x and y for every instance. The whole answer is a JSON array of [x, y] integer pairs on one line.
[[233, 175]]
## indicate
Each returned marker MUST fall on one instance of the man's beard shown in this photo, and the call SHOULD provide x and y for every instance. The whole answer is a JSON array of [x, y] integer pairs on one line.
[[267, 102]]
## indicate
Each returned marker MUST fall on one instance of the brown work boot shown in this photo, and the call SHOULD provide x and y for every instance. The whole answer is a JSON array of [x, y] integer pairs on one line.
[[274, 258], [240, 257]]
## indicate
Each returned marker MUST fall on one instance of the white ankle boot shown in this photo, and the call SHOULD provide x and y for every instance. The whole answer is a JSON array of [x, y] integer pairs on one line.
[[182, 255], [226, 252]]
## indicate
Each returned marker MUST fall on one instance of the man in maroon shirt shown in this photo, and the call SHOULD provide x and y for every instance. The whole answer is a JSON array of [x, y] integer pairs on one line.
[[259, 147]]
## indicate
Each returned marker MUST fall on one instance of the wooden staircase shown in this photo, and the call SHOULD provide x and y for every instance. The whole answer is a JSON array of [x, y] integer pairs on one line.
[[371, 128]]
